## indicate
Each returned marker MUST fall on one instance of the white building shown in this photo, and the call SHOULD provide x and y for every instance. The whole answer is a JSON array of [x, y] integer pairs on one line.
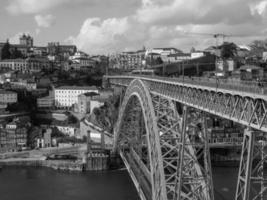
[[14, 64], [163, 51], [67, 130], [8, 96], [67, 96]]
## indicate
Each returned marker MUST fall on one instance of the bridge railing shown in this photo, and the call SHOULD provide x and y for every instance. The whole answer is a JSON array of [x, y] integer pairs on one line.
[[253, 87]]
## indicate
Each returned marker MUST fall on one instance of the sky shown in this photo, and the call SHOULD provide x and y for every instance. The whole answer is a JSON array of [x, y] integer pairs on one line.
[[109, 26]]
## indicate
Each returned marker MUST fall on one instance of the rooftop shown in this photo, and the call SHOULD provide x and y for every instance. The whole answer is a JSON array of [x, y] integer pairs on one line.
[[77, 88], [252, 67], [13, 60], [90, 94], [6, 92]]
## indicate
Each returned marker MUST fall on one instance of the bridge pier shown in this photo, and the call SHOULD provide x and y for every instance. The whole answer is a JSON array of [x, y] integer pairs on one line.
[[96, 158], [251, 175]]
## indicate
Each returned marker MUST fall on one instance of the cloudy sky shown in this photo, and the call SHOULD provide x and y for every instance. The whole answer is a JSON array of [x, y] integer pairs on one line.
[[105, 26]]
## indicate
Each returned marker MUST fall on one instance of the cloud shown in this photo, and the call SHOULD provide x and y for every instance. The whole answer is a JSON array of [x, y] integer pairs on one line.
[[258, 7], [196, 12], [44, 21], [16, 7], [173, 23], [32, 6], [100, 36]]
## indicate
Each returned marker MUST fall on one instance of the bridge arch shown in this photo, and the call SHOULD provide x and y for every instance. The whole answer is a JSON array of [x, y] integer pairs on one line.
[[138, 90]]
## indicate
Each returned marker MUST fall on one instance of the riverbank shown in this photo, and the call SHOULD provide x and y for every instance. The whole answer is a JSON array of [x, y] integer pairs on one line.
[[66, 165]]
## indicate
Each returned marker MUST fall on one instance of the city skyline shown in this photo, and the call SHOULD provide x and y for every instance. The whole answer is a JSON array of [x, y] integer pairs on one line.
[[113, 26]]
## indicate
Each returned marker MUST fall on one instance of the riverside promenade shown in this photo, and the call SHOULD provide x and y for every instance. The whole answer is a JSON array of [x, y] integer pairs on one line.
[[38, 158]]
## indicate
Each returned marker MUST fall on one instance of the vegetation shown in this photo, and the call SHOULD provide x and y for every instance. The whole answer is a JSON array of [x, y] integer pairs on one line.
[[106, 116], [7, 53], [258, 47], [228, 50]]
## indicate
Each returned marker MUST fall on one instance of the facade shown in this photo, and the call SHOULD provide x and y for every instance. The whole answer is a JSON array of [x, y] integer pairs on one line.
[[63, 52], [226, 65], [24, 84], [163, 51], [177, 57], [84, 102], [25, 65], [131, 60], [67, 130], [45, 102], [67, 96], [13, 138], [106, 93], [38, 64], [14, 64], [95, 104], [81, 64], [8, 97], [26, 40]]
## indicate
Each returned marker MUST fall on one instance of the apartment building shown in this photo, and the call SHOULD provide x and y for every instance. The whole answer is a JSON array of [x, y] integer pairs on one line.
[[67, 96], [8, 97]]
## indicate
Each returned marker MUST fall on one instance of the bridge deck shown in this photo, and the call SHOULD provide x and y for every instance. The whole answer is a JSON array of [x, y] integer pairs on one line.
[[251, 89]]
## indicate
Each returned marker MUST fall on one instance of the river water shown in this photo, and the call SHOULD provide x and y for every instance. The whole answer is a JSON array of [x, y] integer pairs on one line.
[[47, 184]]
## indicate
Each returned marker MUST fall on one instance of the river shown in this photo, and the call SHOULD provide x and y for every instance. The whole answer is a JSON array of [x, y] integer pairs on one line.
[[47, 184]]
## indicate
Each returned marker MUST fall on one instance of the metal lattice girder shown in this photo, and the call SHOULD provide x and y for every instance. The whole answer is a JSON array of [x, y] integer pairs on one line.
[[252, 180], [138, 93], [245, 108], [172, 159], [195, 178]]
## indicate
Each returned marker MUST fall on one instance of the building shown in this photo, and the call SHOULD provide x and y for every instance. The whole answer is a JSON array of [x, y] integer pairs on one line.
[[84, 102], [8, 97], [226, 65], [79, 55], [45, 102], [252, 72], [69, 130], [24, 84], [28, 65], [26, 40], [164, 51], [14, 64], [177, 57], [5, 76], [45, 141], [63, 52], [38, 64], [131, 60], [67, 96], [81, 64], [13, 137], [106, 93]]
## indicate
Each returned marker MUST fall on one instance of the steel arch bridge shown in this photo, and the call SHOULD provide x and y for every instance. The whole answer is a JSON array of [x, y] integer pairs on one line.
[[154, 135]]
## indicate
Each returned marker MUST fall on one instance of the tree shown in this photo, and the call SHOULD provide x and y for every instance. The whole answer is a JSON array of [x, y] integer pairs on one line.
[[6, 51], [258, 47], [16, 54], [228, 50]]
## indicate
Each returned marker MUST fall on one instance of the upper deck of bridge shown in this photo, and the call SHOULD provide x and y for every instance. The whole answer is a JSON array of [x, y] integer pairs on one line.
[[253, 89]]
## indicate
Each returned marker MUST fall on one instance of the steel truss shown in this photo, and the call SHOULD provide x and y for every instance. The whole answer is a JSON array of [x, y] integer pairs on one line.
[[252, 180], [245, 108], [173, 158], [179, 161]]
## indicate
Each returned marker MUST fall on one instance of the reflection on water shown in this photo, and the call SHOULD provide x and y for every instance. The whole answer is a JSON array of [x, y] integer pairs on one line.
[[47, 184]]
